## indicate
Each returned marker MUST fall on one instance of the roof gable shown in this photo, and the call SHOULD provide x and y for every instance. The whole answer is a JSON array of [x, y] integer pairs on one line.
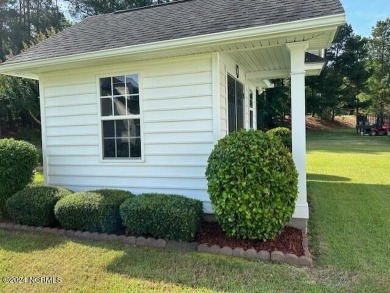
[[177, 20]]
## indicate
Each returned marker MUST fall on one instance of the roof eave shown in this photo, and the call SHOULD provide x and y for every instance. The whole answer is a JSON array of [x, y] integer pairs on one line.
[[23, 69]]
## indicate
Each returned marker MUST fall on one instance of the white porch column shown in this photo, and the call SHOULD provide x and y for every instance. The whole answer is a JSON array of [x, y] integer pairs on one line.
[[298, 123]]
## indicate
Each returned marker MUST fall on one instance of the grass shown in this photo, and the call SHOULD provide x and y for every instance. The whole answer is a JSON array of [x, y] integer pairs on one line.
[[38, 178], [348, 183]]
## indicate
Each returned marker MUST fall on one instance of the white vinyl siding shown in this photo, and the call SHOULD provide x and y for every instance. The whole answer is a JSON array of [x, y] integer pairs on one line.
[[177, 128]]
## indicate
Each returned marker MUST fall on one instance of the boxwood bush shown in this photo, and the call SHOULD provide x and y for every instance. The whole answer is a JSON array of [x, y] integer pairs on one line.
[[18, 160], [165, 216], [34, 206], [252, 183], [94, 211], [282, 133]]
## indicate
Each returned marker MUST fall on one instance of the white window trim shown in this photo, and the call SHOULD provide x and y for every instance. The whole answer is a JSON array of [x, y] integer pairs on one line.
[[100, 118], [251, 108]]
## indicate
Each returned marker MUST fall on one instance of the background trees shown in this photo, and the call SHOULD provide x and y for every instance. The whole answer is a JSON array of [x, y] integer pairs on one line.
[[83, 8], [378, 91], [356, 77], [24, 23]]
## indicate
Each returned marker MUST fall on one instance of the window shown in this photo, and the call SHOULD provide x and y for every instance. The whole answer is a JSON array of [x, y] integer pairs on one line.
[[120, 117], [235, 104], [251, 109]]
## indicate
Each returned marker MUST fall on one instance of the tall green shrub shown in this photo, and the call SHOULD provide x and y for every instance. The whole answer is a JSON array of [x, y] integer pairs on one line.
[[18, 160], [34, 206], [252, 183], [168, 216], [284, 134], [94, 211]]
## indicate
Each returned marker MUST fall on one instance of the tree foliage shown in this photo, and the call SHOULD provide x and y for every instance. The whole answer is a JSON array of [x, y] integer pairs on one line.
[[24, 23], [83, 8], [378, 91], [345, 76]]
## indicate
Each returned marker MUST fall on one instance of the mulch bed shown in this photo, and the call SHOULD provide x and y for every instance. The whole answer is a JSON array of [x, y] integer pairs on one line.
[[289, 241]]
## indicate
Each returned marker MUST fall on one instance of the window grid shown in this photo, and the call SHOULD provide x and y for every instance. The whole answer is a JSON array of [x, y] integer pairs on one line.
[[130, 116]]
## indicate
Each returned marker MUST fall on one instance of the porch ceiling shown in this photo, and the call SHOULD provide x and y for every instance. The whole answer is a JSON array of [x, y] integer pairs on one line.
[[270, 59]]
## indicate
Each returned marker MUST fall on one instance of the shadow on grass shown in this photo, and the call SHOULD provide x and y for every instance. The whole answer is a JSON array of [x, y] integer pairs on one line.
[[330, 178], [204, 271], [26, 242]]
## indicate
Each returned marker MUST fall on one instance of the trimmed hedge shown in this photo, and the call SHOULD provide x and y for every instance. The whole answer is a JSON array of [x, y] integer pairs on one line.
[[34, 206], [94, 211], [284, 134], [252, 183], [18, 160], [167, 216]]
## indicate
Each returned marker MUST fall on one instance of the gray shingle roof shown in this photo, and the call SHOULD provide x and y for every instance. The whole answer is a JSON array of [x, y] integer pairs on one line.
[[174, 21]]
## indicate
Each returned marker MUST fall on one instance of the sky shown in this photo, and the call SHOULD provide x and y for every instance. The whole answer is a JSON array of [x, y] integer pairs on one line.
[[364, 14]]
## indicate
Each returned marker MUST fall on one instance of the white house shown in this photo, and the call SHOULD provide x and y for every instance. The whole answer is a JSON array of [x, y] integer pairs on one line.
[[137, 99]]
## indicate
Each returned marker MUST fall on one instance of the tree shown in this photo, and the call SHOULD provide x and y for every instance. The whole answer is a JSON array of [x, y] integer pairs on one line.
[[344, 78], [274, 104], [24, 23], [83, 8], [378, 91]]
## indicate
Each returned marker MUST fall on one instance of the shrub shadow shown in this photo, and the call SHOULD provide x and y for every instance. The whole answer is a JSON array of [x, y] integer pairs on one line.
[[26, 242], [200, 271], [330, 178]]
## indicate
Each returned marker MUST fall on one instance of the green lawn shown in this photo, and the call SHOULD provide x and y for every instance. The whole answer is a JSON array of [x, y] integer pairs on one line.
[[349, 187]]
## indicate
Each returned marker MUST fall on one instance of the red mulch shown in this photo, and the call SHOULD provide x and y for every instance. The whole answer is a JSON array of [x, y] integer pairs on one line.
[[289, 241]]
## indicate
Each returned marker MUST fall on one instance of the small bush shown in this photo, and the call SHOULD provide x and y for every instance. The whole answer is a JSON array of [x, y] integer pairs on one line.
[[94, 211], [34, 206], [284, 134], [18, 160], [165, 216], [252, 183]]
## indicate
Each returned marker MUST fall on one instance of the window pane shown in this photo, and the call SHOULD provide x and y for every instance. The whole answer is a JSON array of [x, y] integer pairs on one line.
[[132, 84], [135, 148], [123, 148], [119, 106], [122, 128], [108, 129], [251, 99], [106, 106], [109, 148], [231, 104], [251, 119], [105, 86], [240, 105], [133, 105], [135, 128], [118, 79], [118, 84]]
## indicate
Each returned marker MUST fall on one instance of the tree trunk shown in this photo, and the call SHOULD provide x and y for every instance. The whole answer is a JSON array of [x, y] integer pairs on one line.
[[33, 117]]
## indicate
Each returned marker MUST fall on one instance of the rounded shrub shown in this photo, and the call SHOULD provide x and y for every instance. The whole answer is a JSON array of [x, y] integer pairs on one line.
[[94, 211], [18, 160], [282, 133], [252, 183], [167, 216], [34, 206]]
